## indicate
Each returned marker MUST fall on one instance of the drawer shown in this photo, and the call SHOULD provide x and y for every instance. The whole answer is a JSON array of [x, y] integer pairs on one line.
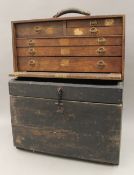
[[94, 31], [71, 51], [95, 22], [69, 41], [44, 29], [70, 64]]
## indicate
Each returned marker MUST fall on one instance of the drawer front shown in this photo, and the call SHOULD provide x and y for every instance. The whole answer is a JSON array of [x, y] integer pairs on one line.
[[95, 22], [44, 29], [69, 41], [94, 31], [70, 64], [71, 51], [38, 126]]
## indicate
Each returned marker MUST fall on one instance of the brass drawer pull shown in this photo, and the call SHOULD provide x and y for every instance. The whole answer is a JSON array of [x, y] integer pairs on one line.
[[31, 62], [31, 51], [101, 40], [93, 30], [101, 50], [101, 64], [109, 22], [93, 23], [31, 42], [37, 29]]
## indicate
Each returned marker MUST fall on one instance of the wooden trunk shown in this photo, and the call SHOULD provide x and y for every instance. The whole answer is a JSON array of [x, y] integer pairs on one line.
[[76, 119], [92, 46]]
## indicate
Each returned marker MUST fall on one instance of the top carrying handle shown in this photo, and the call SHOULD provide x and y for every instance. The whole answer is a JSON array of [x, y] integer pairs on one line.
[[72, 10]]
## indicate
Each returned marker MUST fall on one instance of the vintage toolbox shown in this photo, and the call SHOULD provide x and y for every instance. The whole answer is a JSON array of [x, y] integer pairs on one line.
[[84, 47], [76, 119]]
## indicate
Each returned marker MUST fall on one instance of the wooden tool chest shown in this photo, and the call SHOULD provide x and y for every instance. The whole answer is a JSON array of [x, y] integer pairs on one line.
[[66, 98], [78, 119], [86, 47]]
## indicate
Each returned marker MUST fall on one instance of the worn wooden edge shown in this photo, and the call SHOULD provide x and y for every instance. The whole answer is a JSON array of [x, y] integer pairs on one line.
[[68, 18], [118, 85], [15, 64], [99, 76], [64, 156], [123, 48]]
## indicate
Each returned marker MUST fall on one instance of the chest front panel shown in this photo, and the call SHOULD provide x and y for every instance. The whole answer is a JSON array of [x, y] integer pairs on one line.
[[83, 122]]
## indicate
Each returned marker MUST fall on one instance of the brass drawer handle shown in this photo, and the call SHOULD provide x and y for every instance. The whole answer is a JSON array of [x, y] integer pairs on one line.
[[101, 50], [109, 22], [93, 30], [93, 23], [37, 29], [101, 64], [101, 40], [31, 42], [32, 62], [32, 51]]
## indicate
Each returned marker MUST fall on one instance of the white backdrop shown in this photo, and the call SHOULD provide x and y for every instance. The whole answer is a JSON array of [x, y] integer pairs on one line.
[[34, 9]]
